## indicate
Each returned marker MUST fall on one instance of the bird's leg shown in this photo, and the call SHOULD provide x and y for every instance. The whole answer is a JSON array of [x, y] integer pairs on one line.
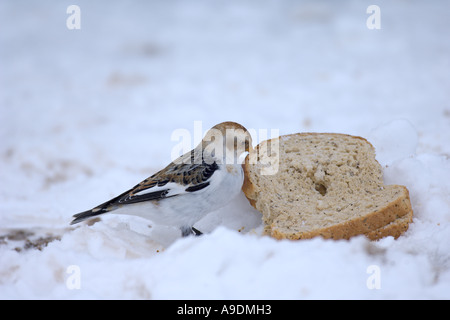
[[186, 231]]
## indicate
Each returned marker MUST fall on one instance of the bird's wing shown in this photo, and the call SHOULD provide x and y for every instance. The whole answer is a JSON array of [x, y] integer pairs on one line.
[[172, 181]]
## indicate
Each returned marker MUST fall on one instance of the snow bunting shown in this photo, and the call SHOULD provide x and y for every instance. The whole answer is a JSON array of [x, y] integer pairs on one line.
[[198, 182]]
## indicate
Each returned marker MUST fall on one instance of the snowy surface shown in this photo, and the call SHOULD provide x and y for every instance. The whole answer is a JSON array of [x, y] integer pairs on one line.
[[85, 114]]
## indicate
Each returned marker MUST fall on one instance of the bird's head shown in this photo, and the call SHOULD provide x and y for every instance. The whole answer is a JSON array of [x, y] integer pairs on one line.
[[227, 141]]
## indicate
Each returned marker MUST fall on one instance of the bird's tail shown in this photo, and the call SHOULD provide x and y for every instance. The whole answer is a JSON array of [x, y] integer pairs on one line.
[[108, 206], [79, 217]]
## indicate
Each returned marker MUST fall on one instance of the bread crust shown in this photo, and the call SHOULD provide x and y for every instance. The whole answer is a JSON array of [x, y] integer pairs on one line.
[[368, 224], [391, 220], [394, 229]]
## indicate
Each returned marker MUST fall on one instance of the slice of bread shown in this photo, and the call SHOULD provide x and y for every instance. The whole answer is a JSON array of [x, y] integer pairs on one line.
[[394, 229], [323, 184]]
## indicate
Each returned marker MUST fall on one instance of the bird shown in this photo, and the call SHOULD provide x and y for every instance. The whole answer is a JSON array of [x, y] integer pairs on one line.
[[193, 185]]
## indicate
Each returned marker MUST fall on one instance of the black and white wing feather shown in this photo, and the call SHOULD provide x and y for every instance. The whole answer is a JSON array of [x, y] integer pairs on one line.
[[172, 181]]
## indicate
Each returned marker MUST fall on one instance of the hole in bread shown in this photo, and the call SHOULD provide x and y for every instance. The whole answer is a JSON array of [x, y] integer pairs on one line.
[[321, 188]]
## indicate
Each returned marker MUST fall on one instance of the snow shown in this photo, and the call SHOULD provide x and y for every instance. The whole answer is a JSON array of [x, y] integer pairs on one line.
[[394, 140], [85, 114]]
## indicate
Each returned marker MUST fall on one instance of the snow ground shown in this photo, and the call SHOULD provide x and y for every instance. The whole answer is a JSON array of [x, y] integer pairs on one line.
[[85, 114]]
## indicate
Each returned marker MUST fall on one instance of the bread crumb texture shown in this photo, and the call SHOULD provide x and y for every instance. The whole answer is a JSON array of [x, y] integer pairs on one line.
[[324, 184]]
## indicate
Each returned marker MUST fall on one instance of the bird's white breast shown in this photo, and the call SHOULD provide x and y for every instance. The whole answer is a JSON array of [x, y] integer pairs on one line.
[[188, 208]]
